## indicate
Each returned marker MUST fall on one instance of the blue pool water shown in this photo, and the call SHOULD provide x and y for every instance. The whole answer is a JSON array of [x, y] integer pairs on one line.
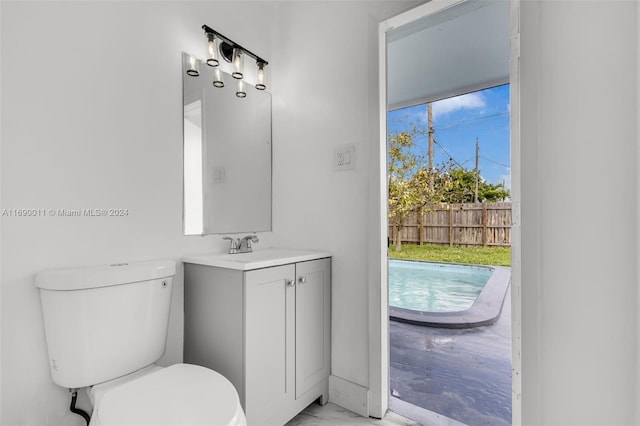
[[435, 287]]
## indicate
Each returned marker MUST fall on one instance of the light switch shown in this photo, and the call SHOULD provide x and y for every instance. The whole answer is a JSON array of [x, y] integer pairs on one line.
[[219, 175], [344, 157]]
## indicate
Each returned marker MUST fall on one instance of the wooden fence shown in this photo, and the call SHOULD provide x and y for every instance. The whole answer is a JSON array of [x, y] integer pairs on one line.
[[484, 224]]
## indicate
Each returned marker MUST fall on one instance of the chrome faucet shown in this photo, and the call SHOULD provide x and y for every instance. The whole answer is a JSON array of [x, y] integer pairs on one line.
[[246, 242], [233, 244], [241, 245]]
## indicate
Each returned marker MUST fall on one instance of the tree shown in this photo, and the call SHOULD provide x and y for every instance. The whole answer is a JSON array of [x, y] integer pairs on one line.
[[409, 183], [401, 164], [463, 185]]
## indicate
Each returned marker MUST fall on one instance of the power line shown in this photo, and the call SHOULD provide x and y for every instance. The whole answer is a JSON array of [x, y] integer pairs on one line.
[[460, 123], [447, 152], [461, 165], [497, 162], [466, 161]]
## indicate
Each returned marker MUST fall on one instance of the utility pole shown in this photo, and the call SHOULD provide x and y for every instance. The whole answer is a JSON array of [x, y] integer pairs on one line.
[[430, 120], [477, 172]]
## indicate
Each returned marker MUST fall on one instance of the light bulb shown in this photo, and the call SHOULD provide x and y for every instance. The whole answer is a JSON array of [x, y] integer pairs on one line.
[[260, 77], [193, 66], [217, 78], [212, 45], [238, 63], [240, 89]]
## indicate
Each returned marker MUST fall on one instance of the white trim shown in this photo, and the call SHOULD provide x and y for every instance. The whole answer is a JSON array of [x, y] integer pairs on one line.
[[349, 395], [449, 94], [516, 265], [420, 415], [378, 299], [638, 215], [416, 13]]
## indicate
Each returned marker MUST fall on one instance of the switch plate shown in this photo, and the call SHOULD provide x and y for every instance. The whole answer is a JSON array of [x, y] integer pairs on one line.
[[344, 157], [219, 174]]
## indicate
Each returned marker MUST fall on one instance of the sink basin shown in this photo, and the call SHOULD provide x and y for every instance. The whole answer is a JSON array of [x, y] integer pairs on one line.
[[255, 260]]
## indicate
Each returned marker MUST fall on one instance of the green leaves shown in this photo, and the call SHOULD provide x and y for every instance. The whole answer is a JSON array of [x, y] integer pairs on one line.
[[463, 188], [413, 187]]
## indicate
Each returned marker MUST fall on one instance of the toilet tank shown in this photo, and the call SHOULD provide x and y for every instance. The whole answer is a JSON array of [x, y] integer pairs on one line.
[[107, 321]]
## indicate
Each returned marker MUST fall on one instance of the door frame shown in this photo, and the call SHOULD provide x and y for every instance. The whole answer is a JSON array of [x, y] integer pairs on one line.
[[378, 296]]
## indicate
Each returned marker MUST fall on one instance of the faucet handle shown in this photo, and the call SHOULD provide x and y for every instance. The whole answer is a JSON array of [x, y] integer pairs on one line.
[[233, 245], [244, 245]]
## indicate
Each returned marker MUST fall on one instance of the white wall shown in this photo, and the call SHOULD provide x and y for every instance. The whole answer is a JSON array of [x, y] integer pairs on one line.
[[325, 89], [321, 103], [579, 77], [82, 128], [92, 117]]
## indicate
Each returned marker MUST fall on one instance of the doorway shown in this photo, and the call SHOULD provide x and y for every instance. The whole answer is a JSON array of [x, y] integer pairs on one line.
[[402, 31]]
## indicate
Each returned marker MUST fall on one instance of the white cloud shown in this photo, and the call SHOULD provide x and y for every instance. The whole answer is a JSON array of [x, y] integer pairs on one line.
[[468, 101]]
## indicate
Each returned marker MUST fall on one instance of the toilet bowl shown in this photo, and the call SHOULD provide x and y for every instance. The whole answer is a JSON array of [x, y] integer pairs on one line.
[[106, 326], [180, 395]]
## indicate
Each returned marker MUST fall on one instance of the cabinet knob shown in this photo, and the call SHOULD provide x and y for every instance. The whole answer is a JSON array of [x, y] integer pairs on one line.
[[290, 283], [302, 280]]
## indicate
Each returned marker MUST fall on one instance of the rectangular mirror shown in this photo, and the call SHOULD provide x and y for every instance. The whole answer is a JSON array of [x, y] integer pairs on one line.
[[227, 155]]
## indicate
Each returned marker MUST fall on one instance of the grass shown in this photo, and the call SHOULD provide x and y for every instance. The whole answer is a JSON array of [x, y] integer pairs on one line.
[[477, 255]]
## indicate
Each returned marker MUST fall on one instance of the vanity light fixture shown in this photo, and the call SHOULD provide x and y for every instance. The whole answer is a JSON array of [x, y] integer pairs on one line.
[[240, 89], [238, 63], [212, 45], [192, 66], [217, 78], [220, 46], [260, 77]]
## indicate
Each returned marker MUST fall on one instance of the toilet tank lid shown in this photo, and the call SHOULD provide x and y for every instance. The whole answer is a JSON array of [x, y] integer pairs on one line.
[[104, 275]]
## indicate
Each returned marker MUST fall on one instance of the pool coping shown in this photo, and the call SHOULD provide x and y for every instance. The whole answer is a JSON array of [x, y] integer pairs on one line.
[[484, 311]]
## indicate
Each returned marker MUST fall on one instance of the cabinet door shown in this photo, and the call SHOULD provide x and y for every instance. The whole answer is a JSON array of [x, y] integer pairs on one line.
[[313, 323], [269, 342]]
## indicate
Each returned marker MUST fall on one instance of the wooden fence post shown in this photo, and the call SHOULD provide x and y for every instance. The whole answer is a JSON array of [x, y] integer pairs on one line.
[[394, 234], [421, 226], [484, 225], [450, 225]]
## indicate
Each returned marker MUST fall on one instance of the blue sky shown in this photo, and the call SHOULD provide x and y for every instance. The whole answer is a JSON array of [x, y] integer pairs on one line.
[[458, 121]]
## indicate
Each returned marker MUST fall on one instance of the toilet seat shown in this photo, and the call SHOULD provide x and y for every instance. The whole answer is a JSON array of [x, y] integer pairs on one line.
[[182, 394]]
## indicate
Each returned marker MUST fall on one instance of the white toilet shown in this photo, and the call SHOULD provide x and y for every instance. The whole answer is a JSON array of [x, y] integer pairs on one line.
[[105, 328]]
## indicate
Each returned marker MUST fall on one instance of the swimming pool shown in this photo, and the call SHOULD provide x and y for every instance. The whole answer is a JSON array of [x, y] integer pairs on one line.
[[446, 295], [435, 287]]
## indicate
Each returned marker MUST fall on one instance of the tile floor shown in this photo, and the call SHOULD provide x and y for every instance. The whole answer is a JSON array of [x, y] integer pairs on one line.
[[333, 415]]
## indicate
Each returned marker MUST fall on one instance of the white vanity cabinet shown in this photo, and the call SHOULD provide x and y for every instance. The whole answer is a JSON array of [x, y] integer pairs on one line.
[[267, 329]]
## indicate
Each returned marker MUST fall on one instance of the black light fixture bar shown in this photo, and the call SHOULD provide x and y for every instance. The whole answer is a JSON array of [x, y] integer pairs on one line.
[[227, 40]]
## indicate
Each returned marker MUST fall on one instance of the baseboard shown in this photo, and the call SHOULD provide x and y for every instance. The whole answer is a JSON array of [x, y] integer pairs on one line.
[[349, 395]]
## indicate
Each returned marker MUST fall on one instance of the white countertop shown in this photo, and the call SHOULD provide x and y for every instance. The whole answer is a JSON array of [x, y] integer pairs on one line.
[[260, 258]]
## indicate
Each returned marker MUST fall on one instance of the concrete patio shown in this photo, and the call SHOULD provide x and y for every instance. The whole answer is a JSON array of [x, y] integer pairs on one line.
[[463, 374]]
